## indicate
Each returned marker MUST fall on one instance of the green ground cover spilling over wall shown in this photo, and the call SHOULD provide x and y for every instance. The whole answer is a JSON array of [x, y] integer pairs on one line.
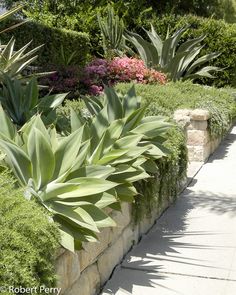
[[166, 99], [28, 240], [52, 38], [167, 183]]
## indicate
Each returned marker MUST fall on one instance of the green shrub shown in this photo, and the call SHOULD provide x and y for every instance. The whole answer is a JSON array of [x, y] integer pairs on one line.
[[52, 39], [28, 240], [179, 95], [167, 183], [220, 38]]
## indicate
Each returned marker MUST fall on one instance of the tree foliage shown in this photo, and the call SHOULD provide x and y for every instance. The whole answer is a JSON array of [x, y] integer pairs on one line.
[[64, 8]]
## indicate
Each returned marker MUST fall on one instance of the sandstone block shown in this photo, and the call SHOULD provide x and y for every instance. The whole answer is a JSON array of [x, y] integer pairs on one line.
[[195, 153], [92, 250], [183, 121], [144, 225], [67, 269], [88, 283], [109, 259], [59, 252], [199, 115], [197, 125], [122, 219], [128, 238], [197, 137], [214, 144]]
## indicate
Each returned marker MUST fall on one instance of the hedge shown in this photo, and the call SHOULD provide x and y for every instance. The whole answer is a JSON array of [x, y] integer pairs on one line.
[[181, 95], [221, 37], [52, 38], [28, 240]]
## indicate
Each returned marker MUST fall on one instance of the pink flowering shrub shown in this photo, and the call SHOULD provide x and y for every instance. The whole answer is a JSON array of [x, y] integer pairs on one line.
[[102, 72]]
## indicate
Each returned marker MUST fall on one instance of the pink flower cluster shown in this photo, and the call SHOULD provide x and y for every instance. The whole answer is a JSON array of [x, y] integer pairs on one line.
[[102, 72]]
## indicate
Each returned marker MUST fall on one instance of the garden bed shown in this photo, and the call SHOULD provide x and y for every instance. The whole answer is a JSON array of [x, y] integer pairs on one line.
[[204, 129]]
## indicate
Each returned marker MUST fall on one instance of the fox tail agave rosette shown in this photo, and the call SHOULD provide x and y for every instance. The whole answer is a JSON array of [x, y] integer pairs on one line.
[[76, 176]]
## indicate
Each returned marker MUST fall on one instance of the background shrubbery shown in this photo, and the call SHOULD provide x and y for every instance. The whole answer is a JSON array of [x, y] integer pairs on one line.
[[220, 38], [27, 239], [53, 39]]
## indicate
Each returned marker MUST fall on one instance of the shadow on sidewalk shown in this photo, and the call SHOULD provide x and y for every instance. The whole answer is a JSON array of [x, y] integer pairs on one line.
[[223, 149], [163, 243]]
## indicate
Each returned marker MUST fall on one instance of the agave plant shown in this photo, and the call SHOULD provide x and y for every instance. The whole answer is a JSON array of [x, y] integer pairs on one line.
[[76, 176], [179, 61], [22, 101], [131, 127], [43, 163], [8, 14], [13, 63], [112, 29]]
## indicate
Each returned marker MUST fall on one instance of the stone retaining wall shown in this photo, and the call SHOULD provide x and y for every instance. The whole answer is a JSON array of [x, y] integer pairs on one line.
[[86, 271], [199, 143]]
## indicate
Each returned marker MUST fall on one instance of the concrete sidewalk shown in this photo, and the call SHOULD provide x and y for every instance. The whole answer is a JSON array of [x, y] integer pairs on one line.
[[192, 248]]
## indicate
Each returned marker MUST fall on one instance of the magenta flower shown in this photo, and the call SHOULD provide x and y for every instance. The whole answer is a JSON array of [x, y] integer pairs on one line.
[[125, 69]]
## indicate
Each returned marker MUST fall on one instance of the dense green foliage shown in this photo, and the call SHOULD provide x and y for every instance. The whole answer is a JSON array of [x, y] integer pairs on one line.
[[166, 99], [62, 8], [81, 15], [53, 39], [220, 37], [28, 240], [22, 101], [166, 184]]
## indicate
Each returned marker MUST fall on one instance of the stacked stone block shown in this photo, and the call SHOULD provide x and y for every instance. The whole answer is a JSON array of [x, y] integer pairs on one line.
[[199, 143]]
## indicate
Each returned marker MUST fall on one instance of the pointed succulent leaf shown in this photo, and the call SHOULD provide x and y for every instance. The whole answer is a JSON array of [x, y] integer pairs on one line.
[[77, 216], [204, 72], [76, 121], [100, 218], [190, 44], [130, 102], [6, 126], [112, 156], [114, 105], [75, 188], [42, 158], [128, 141], [146, 50], [155, 39], [133, 120], [51, 101], [18, 161], [98, 171], [126, 192], [201, 60], [66, 152], [8, 50], [152, 129]]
